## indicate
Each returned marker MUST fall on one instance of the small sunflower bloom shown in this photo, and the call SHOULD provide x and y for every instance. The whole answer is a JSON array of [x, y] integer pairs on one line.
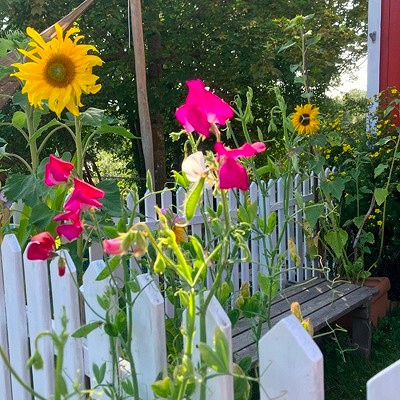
[[305, 119], [59, 70]]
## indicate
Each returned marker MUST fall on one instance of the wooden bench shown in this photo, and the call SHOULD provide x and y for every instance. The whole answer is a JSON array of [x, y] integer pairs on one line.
[[323, 303]]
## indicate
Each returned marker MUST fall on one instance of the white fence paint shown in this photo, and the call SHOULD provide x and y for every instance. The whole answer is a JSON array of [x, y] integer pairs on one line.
[[290, 361]]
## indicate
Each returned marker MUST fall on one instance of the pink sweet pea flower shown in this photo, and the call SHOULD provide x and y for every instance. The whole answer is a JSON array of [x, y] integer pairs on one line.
[[201, 109], [83, 197], [41, 247], [70, 231], [231, 173], [113, 246], [57, 171]]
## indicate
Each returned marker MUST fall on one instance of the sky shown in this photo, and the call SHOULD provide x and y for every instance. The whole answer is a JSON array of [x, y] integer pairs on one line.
[[356, 79]]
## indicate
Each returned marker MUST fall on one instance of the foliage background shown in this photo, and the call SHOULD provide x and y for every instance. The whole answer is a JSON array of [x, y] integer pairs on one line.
[[229, 44]]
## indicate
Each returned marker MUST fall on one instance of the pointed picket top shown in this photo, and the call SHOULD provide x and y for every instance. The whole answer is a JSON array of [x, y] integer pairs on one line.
[[166, 198], [385, 385], [39, 320], [149, 207], [288, 347], [148, 321], [65, 295], [221, 387], [17, 326]]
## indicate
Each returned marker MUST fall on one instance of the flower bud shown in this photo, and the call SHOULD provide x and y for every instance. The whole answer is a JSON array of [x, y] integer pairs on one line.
[[295, 310]]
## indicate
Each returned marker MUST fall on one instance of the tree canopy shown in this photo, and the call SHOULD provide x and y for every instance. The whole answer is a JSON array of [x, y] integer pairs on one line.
[[229, 44]]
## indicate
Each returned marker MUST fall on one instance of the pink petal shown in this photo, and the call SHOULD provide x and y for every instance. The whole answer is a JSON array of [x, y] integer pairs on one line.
[[40, 246], [113, 246], [68, 215], [70, 231], [232, 175], [57, 171], [247, 150]]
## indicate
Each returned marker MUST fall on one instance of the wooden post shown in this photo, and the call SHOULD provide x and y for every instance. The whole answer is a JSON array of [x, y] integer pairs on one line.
[[140, 70]]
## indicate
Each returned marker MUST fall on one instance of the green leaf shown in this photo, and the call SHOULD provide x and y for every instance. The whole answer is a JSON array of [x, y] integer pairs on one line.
[[211, 358], [181, 179], [112, 198], [379, 169], [93, 117], [149, 181], [245, 363], [222, 347], [20, 99], [128, 387], [5, 46], [111, 329], [271, 223], [358, 221], [117, 130], [112, 265], [41, 216], [337, 240], [19, 119], [380, 195], [286, 46], [99, 373], [313, 212], [159, 265], [267, 284], [110, 231], [162, 388], [193, 199], [84, 330]]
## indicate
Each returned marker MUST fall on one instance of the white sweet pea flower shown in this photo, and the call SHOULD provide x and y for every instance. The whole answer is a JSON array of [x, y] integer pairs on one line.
[[194, 166]]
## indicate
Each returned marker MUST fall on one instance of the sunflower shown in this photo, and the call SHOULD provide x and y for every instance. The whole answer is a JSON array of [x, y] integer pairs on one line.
[[305, 120], [59, 70]]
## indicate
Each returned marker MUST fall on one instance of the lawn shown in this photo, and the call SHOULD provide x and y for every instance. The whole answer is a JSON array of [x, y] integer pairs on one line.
[[346, 373]]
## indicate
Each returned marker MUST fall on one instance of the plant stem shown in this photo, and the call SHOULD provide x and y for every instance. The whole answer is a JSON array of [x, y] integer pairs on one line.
[[32, 144], [79, 149]]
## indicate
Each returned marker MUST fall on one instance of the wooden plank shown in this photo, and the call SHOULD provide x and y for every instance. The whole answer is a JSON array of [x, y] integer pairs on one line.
[[221, 387], [65, 295], [5, 378], [385, 385], [291, 364], [283, 300], [39, 320], [148, 345], [17, 325], [350, 298]]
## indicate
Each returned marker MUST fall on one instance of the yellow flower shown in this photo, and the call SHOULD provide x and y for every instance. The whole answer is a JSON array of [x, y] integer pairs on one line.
[[180, 233], [379, 223], [394, 91], [379, 133], [59, 71], [346, 147], [343, 173], [377, 210], [305, 119]]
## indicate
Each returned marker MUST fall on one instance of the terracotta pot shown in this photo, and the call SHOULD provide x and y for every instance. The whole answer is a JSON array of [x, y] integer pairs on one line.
[[380, 302]]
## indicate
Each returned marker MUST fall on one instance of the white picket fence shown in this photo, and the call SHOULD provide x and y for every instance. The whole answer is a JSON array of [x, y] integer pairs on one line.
[[31, 301], [272, 203]]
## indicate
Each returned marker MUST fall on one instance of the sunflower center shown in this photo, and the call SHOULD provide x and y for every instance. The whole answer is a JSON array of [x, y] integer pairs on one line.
[[60, 71], [305, 119]]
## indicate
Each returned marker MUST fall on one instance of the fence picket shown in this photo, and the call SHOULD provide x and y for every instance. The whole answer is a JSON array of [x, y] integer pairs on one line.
[[149, 348], [291, 363], [65, 294], [221, 387], [299, 234], [39, 320], [282, 229], [17, 325], [98, 343], [254, 246], [235, 268], [385, 385], [5, 378]]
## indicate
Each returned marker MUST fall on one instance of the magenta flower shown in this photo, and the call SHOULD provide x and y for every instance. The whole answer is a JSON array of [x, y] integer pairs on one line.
[[41, 247], [72, 230], [57, 171], [201, 109], [231, 173], [83, 197]]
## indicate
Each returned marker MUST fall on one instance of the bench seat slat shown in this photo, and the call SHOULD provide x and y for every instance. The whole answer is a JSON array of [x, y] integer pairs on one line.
[[322, 303]]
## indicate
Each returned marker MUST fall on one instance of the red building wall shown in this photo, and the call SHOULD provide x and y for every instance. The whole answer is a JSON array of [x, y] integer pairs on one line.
[[390, 45]]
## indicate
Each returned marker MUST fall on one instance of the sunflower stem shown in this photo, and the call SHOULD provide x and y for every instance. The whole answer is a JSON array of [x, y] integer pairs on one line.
[[79, 148], [32, 144]]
